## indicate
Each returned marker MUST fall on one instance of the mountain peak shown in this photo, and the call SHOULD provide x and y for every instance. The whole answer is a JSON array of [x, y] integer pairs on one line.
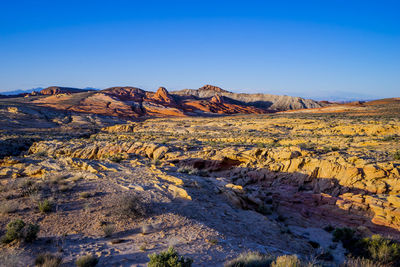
[[162, 95], [209, 87]]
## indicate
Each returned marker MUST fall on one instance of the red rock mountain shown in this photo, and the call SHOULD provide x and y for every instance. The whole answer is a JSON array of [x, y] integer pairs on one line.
[[135, 102], [163, 96], [53, 90]]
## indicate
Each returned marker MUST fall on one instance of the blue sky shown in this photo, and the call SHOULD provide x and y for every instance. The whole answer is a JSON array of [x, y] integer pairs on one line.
[[317, 49]]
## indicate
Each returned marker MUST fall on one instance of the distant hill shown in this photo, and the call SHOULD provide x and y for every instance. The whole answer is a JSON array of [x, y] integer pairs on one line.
[[53, 90], [136, 102], [21, 91], [264, 101]]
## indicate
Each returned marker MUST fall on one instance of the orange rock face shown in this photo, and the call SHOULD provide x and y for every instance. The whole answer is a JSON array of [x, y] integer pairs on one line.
[[135, 102]]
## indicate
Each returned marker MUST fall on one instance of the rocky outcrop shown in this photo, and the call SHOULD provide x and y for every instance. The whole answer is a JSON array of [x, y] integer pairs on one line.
[[98, 150], [163, 96], [126, 93], [54, 90], [264, 101], [300, 179]]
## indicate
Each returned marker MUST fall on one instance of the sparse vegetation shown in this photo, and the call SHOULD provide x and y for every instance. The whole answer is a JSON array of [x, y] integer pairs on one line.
[[108, 230], [28, 187], [250, 259], [396, 155], [189, 170], [375, 248], [362, 262], [7, 207], [287, 261], [346, 236], [45, 206], [130, 205], [380, 249], [48, 260], [87, 261], [249, 168], [19, 230], [169, 258]]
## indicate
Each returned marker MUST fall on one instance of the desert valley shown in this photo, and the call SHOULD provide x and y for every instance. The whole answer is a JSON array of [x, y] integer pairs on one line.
[[200, 177]]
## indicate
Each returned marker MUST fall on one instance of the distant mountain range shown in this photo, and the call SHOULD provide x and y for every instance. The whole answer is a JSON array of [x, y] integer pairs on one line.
[[136, 102], [37, 89], [21, 91]]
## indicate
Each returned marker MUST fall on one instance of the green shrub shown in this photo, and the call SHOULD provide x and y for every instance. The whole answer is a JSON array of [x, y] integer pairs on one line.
[[396, 155], [130, 205], [169, 258], [30, 232], [250, 259], [45, 206], [13, 231], [346, 236], [48, 260], [381, 249], [18, 230], [87, 261], [287, 261], [376, 248]]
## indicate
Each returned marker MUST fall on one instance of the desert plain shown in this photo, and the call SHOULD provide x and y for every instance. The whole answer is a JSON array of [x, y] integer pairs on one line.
[[213, 186]]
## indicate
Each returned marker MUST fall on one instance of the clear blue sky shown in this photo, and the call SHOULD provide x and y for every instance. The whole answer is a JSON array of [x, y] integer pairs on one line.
[[307, 48]]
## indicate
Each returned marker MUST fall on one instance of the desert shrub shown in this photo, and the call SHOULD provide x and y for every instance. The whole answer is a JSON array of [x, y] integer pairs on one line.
[[30, 232], [130, 206], [169, 258], [28, 187], [250, 259], [7, 207], [361, 262], [346, 236], [45, 206], [13, 231], [396, 155], [381, 249], [287, 261], [108, 230], [87, 261], [48, 260], [189, 170], [18, 230], [376, 248]]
